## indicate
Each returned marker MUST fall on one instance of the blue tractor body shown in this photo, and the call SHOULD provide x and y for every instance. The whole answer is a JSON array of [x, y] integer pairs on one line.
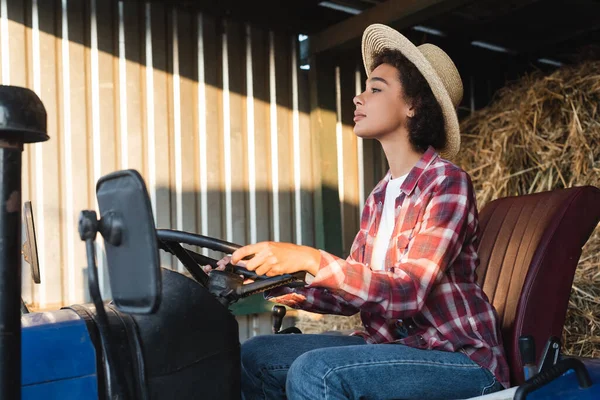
[[58, 357]]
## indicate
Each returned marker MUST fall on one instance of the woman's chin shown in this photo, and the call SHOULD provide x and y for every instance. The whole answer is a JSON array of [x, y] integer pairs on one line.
[[361, 132]]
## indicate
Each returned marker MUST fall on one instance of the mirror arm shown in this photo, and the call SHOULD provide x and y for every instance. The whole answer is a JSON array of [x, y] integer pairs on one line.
[[88, 228]]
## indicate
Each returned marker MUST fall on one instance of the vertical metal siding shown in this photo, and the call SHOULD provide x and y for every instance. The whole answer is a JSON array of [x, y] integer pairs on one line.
[[214, 114]]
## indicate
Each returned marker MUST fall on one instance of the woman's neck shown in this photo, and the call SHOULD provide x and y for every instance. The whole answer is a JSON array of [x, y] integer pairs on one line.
[[400, 154]]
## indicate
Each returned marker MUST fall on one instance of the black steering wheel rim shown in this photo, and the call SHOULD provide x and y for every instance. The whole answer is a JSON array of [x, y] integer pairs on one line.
[[172, 239], [174, 236], [171, 235]]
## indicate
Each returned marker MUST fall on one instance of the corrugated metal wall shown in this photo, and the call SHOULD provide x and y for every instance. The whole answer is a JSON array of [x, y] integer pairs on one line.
[[214, 114]]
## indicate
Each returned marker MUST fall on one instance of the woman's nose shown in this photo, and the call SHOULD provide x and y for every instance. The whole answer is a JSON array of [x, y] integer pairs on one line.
[[358, 100]]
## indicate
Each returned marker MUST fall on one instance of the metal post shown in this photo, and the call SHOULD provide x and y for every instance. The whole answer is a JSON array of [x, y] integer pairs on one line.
[[22, 120], [10, 270]]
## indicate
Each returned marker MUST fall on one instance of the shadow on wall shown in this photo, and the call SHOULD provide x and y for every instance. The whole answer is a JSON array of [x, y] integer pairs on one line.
[[243, 217], [119, 123], [191, 211], [292, 224], [295, 222], [158, 35]]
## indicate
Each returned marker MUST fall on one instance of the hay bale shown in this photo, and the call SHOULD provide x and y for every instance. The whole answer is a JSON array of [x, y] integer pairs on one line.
[[317, 323], [542, 133], [539, 133]]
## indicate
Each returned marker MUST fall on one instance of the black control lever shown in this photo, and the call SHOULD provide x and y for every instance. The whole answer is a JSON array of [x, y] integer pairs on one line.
[[278, 312], [550, 354], [527, 350]]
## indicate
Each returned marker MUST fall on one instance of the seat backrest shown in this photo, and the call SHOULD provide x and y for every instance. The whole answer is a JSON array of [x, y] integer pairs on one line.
[[529, 249]]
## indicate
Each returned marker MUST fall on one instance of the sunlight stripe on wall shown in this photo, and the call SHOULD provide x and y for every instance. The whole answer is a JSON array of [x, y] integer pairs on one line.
[[5, 42], [250, 124], [150, 109], [123, 90], [339, 143], [39, 154], [227, 140], [274, 141], [177, 130], [296, 140], [202, 142], [95, 89], [68, 153]]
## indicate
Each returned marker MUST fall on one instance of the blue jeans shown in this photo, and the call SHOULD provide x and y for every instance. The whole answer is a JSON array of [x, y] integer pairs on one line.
[[316, 367]]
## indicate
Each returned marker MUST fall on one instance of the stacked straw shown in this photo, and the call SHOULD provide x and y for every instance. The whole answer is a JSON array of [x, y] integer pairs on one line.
[[539, 133], [542, 133]]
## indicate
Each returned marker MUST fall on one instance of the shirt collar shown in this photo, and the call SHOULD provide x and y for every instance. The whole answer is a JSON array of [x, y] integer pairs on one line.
[[414, 175]]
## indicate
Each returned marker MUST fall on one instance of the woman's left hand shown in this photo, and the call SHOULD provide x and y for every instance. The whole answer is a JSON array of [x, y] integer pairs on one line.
[[274, 258]]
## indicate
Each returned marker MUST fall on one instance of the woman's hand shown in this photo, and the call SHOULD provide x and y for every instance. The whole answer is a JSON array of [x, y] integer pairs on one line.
[[221, 264], [274, 258]]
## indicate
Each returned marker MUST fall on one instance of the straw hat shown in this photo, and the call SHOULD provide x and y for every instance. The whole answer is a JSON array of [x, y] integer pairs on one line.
[[434, 64]]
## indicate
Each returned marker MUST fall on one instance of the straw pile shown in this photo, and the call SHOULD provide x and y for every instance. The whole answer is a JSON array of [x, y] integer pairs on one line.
[[539, 133]]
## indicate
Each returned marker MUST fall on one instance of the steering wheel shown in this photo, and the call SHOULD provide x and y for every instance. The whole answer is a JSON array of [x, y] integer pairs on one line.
[[228, 285]]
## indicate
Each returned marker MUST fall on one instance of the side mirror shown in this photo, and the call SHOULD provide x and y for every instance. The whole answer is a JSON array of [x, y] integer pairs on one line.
[[127, 225], [30, 252]]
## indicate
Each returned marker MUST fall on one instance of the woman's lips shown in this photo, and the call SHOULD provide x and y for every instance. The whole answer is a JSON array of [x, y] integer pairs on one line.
[[358, 116]]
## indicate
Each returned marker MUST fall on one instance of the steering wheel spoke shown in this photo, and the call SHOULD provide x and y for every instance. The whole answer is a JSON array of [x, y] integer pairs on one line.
[[188, 262]]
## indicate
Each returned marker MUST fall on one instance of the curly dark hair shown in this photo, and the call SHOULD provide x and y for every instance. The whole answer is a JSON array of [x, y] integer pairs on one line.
[[426, 127]]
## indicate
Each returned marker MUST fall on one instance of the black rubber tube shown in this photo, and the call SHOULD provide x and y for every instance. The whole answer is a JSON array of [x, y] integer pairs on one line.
[[541, 379]]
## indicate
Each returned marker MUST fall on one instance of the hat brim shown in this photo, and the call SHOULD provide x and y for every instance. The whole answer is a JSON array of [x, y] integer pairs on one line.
[[378, 37]]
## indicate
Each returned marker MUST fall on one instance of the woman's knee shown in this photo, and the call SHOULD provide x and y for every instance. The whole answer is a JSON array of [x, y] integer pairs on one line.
[[252, 352], [306, 374]]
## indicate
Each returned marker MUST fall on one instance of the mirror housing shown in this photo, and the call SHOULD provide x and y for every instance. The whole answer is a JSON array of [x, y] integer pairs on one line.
[[127, 225]]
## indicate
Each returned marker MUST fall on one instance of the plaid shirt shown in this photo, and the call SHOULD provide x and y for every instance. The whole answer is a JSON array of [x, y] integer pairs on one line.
[[427, 296]]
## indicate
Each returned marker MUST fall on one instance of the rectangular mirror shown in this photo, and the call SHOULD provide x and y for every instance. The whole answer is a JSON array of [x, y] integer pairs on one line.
[[127, 225]]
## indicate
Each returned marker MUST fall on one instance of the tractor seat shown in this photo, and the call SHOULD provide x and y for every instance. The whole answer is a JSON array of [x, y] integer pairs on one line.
[[187, 349], [529, 249]]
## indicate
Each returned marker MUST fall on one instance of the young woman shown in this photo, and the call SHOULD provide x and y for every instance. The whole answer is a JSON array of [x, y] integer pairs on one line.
[[429, 330]]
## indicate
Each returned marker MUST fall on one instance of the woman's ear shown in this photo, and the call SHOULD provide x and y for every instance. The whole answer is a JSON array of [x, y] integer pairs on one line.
[[410, 112]]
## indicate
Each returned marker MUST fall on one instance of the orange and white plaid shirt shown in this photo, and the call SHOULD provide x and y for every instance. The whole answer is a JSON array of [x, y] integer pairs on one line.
[[427, 296]]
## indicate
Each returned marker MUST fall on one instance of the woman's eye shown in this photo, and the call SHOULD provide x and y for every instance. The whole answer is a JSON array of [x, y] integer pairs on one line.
[[375, 90]]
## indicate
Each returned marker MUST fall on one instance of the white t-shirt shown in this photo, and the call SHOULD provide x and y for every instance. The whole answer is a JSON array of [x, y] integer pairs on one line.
[[386, 225]]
